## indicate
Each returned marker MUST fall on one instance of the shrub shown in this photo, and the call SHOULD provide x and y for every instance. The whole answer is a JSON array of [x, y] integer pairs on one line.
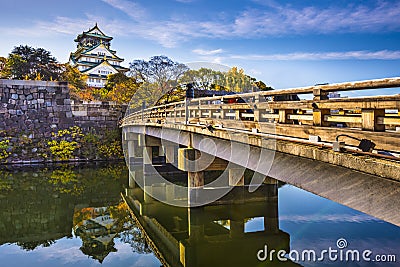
[[62, 150], [4, 145], [65, 142]]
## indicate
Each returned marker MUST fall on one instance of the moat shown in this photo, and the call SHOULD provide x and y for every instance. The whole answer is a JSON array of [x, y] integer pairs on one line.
[[75, 215]]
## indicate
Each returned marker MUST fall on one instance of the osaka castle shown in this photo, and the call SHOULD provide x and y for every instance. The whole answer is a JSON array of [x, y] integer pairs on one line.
[[94, 58]]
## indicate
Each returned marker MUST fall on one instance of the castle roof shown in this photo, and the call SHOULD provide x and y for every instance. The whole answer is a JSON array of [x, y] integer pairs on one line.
[[93, 32]]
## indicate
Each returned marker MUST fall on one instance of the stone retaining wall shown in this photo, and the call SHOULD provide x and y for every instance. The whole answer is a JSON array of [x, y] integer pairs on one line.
[[96, 114], [30, 111], [34, 107]]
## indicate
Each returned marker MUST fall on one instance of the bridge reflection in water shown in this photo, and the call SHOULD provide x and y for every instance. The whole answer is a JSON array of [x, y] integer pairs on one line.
[[215, 234]]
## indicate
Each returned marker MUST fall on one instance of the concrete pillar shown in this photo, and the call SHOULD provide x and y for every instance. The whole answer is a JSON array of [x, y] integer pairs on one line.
[[134, 153], [236, 228], [161, 151], [151, 183], [135, 175], [369, 118], [131, 151], [186, 159], [147, 155], [196, 226], [195, 187], [170, 192], [170, 153], [187, 162], [271, 221], [318, 117], [195, 179], [132, 182], [236, 177]]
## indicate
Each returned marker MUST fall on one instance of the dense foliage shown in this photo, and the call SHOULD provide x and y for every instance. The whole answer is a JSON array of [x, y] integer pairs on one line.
[[25, 62]]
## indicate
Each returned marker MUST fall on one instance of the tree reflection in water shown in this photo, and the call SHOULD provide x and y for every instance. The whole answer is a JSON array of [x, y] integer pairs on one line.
[[38, 207]]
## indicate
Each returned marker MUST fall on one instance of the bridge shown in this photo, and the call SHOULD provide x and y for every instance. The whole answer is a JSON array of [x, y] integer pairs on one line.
[[343, 149]]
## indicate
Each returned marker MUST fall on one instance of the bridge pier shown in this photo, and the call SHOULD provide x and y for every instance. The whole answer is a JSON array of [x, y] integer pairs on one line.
[[135, 175], [187, 162], [236, 228], [170, 151], [271, 217], [236, 176], [135, 156], [196, 224], [148, 143]]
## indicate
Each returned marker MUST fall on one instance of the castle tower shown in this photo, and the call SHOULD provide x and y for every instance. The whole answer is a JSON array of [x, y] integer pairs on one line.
[[94, 58]]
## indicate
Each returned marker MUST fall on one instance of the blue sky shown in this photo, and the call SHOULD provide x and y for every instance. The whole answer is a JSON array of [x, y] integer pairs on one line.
[[284, 43]]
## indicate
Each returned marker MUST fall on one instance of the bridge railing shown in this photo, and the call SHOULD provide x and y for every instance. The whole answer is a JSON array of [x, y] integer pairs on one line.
[[374, 117]]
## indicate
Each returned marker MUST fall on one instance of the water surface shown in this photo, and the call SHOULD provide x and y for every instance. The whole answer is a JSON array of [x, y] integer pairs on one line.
[[75, 216]]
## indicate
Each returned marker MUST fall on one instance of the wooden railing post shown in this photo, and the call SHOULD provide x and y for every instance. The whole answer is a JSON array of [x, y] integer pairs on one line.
[[238, 114], [369, 119], [143, 107], [257, 112], [319, 94], [221, 110], [319, 117], [186, 110], [283, 115]]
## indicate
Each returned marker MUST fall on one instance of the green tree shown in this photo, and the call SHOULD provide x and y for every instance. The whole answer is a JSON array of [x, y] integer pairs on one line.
[[25, 62], [204, 78], [76, 80], [14, 67], [262, 86], [237, 81], [234, 80], [3, 65], [114, 79]]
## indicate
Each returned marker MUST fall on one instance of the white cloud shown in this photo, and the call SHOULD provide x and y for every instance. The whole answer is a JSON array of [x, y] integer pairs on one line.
[[64, 25], [357, 55], [270, 20], [203, 52], [132, 9], [328, 218], [275, 20], [283, 20]]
